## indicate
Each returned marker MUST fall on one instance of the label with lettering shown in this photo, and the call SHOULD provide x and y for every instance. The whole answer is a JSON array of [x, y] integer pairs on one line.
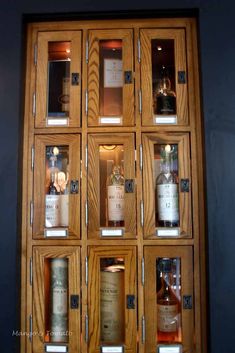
[[167, 318], [52, 211], [168, 208], [116, 202]]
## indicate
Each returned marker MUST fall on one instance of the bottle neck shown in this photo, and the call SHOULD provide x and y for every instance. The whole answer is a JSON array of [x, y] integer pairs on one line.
[[166, 280], [166, 165]]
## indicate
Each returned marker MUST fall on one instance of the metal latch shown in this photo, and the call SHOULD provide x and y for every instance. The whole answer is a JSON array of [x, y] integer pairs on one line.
[[181, 77], [184, 185], [129, 185], [74, 301], [75, 78], [74, 187], [130, 301], [128, 76], [187, 302]]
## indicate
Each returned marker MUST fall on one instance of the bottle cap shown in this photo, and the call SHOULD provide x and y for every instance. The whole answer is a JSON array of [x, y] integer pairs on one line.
[[165, 265]]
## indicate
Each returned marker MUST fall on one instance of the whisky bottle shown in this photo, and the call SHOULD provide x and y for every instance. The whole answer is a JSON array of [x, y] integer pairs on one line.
[[59, 300], [63, 179], [52, 202], [167, 192], [165, 98], [168, 308], [115, 196], [112, 311]]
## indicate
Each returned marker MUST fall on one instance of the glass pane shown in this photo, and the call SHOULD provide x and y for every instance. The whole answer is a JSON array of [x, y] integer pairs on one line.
[[56, 299], [163, 77], [59, 54], [111, 185], [112, 301], [56, 186], [111, 78], [168, 272], [166, 185]]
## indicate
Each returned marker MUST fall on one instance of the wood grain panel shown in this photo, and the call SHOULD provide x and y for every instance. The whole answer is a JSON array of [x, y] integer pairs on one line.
[[40, 254], [178, 35], [128, 253], [74, 37], [186, 260], [185, 207], [41, 142], [128, 143], [126, 35]]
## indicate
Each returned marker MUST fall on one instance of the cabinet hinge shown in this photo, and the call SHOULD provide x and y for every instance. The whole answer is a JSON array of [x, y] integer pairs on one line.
[[141, 157], [32, 157], [35, 54], [86, 213], [86, 328], [80, 169], [139, 50], [87, 51], [142, 271], [143, 329], [86, 270], [142, 213], [86, 102], [30, 327], [34, 104], [31, 271], [86, 157], [31, 213], [140, 101]]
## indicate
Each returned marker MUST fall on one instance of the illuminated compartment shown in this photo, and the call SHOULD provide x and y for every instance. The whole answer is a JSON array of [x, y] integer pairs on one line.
[[56, 182], [164, 77], [166, 183], [111, 186], [110, 96], [112, 301], [169, 308]]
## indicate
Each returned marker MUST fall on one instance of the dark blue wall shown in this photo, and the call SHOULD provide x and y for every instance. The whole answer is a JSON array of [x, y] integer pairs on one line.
[[217, 44]]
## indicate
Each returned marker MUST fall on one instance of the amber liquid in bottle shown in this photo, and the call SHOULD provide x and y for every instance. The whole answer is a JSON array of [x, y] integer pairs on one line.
[[168, 306]]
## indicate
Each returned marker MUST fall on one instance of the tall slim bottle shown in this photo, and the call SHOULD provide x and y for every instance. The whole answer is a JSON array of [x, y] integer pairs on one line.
[[115, 196], [167, 192], [165, 99], [52, 202]]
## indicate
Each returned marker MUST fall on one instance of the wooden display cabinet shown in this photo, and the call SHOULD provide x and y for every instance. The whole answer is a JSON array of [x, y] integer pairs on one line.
[[112, 194]]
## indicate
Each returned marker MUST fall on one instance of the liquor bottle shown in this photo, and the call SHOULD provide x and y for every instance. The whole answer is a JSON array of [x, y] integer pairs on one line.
[[168, 307], [112, 311], [167, 192], [52, 202], [59, 300], [115, 195], [64, 198], [165, 98]]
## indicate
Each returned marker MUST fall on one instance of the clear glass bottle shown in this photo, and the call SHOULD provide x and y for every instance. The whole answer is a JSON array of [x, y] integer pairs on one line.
[[165, 98], [167, 214], [115, 196], [52, 202], [168, 306]]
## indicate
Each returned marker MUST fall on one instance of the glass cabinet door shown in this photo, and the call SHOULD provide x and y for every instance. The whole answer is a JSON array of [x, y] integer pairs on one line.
[[56, 186], [58, 81], [111, 186], [110, 78], [166, 185], [169, 308], [56, 295], [164, 77], [112, 302]]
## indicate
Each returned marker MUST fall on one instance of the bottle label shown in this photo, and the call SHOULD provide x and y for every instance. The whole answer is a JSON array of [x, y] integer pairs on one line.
[[116, 202], [167, 318], [166, 105], [52, 211], [112, 306], [64, 210], [168, 208]]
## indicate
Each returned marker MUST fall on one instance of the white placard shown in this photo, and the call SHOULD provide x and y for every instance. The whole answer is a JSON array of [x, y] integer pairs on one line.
[[117, 349], [170, 349], [113, 76], [110, 120], [112, 232], [55, 233], [57, 122], [165, 119], [168, 232], [59, 349]]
